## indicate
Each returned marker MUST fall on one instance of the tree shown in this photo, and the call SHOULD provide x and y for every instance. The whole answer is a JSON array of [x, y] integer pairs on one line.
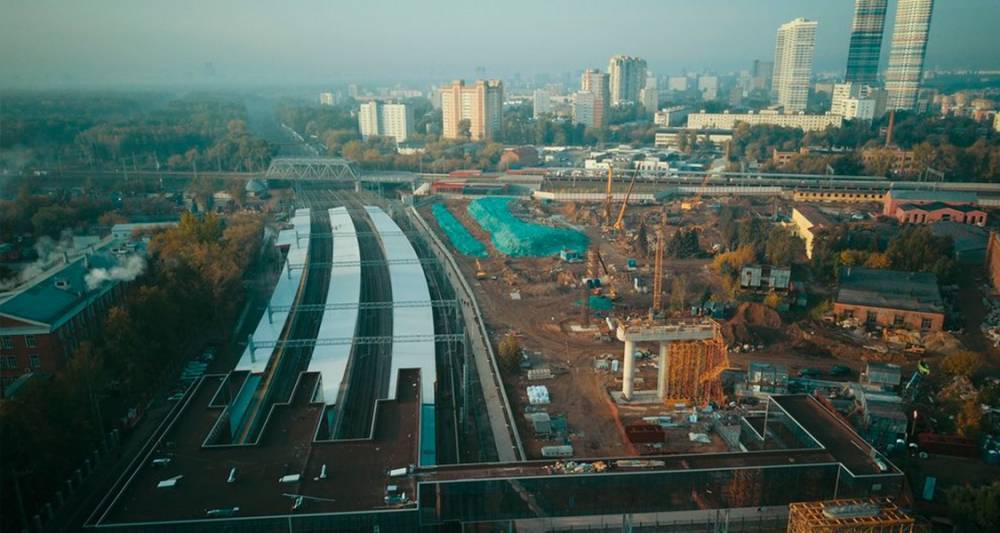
[[964, 363], [510, 353], [975, 509], [678, 293], [731, 263], [684, 244]]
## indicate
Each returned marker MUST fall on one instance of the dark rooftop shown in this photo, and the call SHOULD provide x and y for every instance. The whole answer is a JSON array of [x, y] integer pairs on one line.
[[890, 289], [934, 206], [286, 446]]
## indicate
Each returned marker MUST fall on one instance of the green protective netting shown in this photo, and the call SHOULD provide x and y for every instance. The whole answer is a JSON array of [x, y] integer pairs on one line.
[[518, 238], [460, 238], [598, 303]]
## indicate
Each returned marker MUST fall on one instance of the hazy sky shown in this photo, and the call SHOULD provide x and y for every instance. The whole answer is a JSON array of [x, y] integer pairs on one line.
[[322, 41]]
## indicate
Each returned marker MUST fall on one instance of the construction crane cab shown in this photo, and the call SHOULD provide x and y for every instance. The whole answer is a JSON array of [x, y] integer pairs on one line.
[[480, 272]]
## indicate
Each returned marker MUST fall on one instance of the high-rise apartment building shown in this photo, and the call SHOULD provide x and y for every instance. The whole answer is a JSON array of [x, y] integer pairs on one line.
[[376, 119], [793, 61], [584, 104], [541, 102], [866, 41], [481, 104], [906, 57], [593, 81], [627, 77], [709, 87], [762, 74], [677, 83], [649, 97], [327, 98]]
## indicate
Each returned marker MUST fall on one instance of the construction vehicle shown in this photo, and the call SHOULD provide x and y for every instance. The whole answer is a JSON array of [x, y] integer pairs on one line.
[[696, 201], [480, 272]]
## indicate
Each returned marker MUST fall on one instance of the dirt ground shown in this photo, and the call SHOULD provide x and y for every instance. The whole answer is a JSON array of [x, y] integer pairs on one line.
[[537, 299], [543, 320]]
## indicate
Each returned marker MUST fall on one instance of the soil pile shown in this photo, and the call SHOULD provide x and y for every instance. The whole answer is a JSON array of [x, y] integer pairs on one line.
[[753, 323]]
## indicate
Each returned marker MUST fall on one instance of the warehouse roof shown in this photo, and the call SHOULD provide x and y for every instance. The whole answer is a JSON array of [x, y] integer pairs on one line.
[[891, 289], [934, 206], [933, 196]]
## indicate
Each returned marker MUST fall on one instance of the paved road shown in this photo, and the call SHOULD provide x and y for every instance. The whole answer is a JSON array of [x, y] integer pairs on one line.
[[505, 434]]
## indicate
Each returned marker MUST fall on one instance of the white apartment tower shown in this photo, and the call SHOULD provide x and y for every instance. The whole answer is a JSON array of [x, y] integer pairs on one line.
[[583, 108], [627, 77], [481, 104], [541, 102], [376, 119], [906, 57], [793, 62]]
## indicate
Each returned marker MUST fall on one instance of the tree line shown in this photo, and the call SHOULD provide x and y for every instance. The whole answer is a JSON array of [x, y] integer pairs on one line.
[[129, 132], [191, 290]]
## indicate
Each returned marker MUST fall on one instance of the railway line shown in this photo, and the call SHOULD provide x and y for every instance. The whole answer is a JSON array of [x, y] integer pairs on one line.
[[288, 361]]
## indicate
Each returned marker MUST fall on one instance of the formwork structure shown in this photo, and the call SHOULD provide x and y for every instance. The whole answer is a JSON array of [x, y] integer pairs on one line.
[[694, 370], [692, 358], [849, 516]]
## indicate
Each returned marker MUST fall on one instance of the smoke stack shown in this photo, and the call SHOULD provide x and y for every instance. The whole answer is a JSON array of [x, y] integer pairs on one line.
[[892, 124]]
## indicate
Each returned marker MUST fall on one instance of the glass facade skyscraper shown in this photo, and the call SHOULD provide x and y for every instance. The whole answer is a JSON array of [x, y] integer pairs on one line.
[[906, 58], [866, 41]]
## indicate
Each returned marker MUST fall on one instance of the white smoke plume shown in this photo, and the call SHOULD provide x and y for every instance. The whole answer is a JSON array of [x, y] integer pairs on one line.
[[50, 253], [127, 271]]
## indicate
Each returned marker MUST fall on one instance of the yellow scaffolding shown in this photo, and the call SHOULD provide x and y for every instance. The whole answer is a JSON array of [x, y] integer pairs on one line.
[[694, 370], [849, 516]]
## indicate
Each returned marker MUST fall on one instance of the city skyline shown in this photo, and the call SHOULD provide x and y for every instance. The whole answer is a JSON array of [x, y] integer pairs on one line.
[[317, 42]]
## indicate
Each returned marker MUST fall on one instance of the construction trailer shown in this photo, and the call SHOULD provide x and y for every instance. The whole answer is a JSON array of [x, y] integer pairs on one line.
[[849, 516]]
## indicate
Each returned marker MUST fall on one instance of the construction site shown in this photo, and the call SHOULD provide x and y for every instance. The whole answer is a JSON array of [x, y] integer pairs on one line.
[[381, 390]]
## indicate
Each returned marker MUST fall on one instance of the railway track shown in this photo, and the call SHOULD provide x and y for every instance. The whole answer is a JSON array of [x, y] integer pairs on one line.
[[368, 370], [287, 362]]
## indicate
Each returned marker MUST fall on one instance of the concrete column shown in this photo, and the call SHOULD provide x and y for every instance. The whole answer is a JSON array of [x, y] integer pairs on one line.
[[662, 380], [628, 370]]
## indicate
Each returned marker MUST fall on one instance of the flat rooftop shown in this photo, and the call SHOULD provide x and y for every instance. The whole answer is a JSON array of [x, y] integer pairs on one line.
[[356, 469]]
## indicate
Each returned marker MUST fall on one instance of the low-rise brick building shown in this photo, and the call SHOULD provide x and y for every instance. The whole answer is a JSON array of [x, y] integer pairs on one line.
[[940, 212], [889, 298], [895, 199], [42, 324]]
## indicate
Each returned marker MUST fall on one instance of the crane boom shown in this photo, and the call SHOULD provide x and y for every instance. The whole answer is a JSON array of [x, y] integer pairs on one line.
[[607, 198], [620, 221]]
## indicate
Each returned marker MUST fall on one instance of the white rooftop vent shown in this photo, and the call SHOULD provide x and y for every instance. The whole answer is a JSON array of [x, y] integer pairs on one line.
[[232, 476], [169, 483], [62, 283], [161, 461], [226, 511], [290, 478]]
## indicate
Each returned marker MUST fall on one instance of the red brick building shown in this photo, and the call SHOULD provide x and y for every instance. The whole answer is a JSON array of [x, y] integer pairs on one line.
[[930, 206], [888, 298], [42, 324], [939, 211]]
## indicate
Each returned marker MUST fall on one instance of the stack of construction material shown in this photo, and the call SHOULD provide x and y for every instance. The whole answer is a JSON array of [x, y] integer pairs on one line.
[[538, 395]]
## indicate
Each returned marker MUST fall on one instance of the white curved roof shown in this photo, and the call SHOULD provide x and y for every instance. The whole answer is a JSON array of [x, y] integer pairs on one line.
[[408, 285], [297, 240], [344, 288]]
